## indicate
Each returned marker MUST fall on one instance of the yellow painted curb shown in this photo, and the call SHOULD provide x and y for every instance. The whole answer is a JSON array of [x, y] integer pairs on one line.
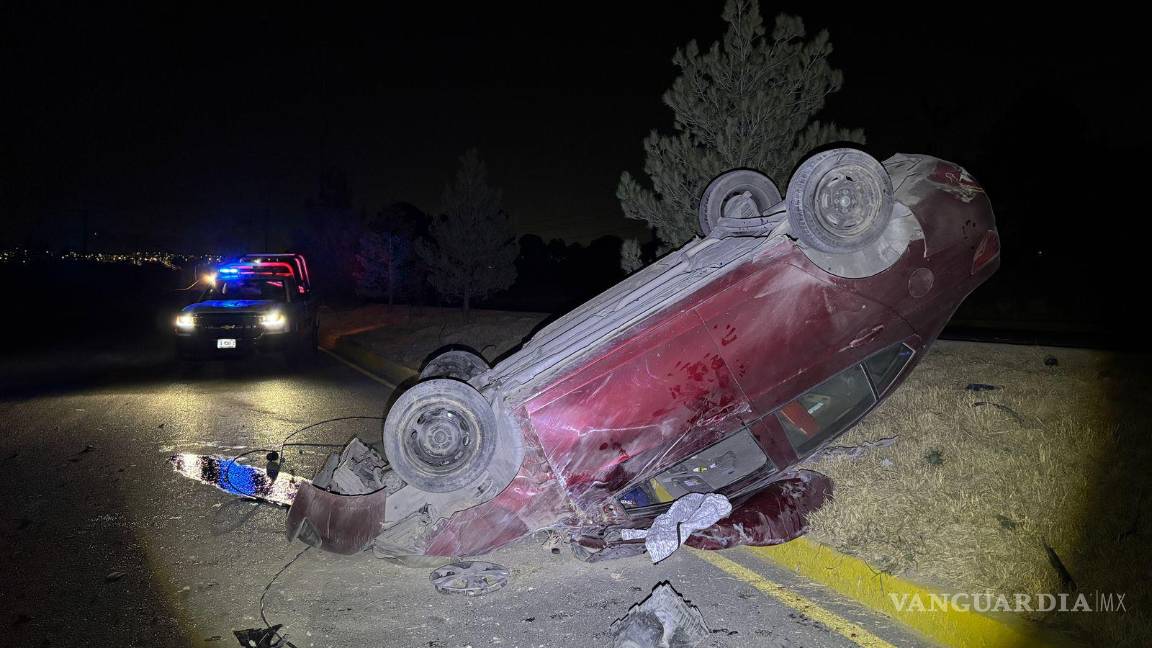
[[858, 581]]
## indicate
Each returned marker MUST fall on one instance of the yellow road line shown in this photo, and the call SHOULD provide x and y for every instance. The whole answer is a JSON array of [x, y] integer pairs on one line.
[[358, 368], [860, 582], [832, 621]]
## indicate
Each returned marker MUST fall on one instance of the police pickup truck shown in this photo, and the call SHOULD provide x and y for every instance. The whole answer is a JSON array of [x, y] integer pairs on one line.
[[257, 303]]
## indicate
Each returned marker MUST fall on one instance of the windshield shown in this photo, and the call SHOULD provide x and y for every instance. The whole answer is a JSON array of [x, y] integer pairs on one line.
[[266, 288]]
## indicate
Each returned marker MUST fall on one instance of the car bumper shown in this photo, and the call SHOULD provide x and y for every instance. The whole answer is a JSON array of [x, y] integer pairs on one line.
[[209, 343]]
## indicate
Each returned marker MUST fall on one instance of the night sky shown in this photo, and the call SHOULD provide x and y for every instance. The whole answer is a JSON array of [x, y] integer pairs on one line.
[[167, 128]]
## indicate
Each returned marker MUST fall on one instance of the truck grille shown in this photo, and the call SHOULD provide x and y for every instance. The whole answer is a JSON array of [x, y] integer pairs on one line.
[[220, 324]]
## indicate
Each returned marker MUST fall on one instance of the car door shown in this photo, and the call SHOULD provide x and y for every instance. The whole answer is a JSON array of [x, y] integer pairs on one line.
[[788, 325], [642, 404]]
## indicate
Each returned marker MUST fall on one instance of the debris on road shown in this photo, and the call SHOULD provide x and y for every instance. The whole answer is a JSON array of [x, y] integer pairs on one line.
[[236, 478], [261, 637], [469, 577], [357, 470], [663, 620], [688, 514]]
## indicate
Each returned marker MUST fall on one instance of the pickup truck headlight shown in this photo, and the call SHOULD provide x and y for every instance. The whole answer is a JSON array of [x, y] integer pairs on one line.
[[273, 321], [185, 322]]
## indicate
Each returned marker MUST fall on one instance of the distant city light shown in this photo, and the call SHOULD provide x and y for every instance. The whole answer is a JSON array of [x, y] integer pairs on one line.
[[173, 260]]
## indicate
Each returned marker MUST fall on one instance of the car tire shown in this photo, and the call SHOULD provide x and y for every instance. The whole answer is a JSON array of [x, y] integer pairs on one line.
[[839, 201], [639, 630], [732, 183], [458, 364], [440, 435]]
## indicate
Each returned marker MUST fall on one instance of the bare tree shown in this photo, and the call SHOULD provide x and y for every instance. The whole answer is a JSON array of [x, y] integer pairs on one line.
[[385, 258], [749, 102], [376, 264], [473, 248]]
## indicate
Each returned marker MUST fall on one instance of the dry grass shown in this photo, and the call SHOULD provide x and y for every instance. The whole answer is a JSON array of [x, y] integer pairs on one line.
[[969, 495]]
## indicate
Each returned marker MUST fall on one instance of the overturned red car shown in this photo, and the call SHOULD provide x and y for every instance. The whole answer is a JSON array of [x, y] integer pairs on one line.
[[717, 369]]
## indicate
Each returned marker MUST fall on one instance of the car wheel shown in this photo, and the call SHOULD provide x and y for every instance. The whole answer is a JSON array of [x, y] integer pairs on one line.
[[440, 435], [718, 199], [458, 364], [839, 201], [639, 630]]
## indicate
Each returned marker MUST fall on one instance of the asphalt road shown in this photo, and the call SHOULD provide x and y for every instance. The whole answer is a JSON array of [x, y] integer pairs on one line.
[[103, 545]]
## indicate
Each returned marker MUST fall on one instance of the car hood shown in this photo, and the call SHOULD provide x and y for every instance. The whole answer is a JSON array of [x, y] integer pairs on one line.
[[232, 306]]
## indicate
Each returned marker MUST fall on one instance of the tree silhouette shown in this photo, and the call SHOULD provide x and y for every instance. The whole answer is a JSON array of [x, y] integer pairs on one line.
[[748, 102], [472, 251], [385, 258]]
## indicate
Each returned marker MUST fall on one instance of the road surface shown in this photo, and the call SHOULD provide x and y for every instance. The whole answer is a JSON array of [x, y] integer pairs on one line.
[[103, 545]]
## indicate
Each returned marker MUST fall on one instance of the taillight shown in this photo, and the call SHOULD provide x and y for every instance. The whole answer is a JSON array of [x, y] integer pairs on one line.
[[987, 251]]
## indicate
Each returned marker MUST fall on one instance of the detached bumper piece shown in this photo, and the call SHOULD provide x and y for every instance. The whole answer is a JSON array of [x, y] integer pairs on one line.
[[342, 510]]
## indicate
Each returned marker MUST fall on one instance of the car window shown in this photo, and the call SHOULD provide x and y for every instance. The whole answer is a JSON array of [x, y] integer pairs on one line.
[[256, 288], [827, 409], [709, 470], [884, 367]]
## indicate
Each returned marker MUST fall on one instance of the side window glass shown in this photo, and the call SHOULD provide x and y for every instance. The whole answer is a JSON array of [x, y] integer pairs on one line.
[[884, 367], [827, 409]]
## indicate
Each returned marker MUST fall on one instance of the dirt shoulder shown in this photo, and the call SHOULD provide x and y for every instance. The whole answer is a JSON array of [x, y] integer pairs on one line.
[[979, 485]]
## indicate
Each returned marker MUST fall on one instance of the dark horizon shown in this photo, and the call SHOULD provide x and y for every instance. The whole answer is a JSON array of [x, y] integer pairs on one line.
[[190, 133]]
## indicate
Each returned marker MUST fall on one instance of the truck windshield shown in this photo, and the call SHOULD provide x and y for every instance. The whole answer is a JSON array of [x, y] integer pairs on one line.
[[248, 288]]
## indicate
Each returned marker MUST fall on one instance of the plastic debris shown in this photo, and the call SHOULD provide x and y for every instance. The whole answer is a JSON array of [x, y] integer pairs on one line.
[[852, 452], [664, 619], [688, 514], [236, 478], [262, 637], [469, 577], [979, 387], [357, 470], [1003, 408]]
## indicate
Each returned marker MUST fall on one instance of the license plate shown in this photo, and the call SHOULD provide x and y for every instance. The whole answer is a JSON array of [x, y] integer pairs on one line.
[[225, 343]]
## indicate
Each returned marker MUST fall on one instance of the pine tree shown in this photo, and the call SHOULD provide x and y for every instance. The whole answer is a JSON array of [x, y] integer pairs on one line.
[[749, 102], [473, 249], [630, 260]]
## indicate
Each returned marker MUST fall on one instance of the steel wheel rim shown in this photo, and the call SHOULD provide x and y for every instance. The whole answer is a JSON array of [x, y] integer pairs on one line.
[[847, 200], [440, 436]]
